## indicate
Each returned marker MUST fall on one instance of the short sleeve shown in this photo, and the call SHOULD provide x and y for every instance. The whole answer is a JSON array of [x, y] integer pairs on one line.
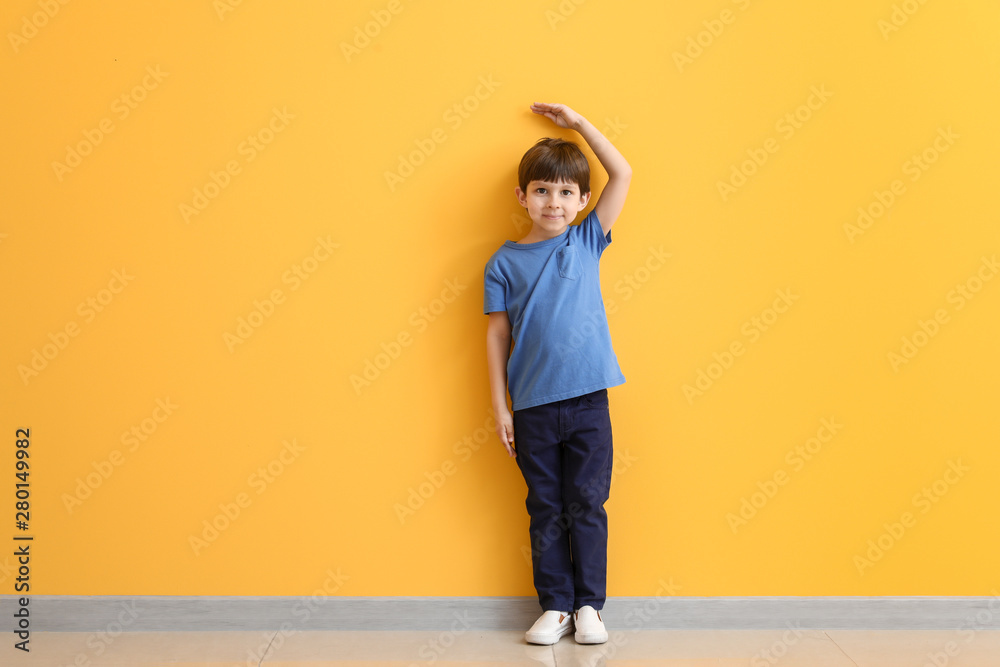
[[592, 236], [494, 291]]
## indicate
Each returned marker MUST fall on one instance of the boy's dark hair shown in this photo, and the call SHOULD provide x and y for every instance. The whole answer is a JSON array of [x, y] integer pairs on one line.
[[554, 160]]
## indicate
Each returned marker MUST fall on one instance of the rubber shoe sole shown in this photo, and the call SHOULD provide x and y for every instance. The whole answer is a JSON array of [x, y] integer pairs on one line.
[[593, 631], [549, 636]]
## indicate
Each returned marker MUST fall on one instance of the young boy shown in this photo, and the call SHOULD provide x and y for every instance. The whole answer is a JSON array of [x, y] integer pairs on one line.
[[544, 294]]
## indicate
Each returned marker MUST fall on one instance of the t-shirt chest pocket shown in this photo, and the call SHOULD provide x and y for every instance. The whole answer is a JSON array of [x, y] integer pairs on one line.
[[568, 262]]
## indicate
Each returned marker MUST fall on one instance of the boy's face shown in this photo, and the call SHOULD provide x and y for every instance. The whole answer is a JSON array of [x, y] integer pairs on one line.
[[552, 206]]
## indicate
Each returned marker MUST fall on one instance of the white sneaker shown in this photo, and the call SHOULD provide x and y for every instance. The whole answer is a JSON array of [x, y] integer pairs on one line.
[[549, 627], [590, 626]]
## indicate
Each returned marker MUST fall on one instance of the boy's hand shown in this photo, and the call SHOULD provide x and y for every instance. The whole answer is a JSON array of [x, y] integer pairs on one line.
[[612, 200], [505, 431], [560, 114]]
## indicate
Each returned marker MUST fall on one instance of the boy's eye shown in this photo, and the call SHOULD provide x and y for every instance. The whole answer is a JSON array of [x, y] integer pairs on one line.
[[567, 192]]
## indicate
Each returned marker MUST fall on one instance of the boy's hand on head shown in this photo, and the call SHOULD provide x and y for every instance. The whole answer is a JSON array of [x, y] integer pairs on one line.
[[505, 431], [560, 114], [612, 200]]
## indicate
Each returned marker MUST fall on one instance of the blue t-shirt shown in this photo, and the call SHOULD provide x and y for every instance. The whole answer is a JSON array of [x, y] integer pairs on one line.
[[551, 291]]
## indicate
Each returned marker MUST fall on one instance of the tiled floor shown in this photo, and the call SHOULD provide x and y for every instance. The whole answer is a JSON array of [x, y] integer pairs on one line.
[[625, 648]]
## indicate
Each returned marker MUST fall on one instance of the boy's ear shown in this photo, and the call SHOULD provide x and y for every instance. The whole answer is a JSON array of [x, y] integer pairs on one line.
[[521, 196], [585, 198]]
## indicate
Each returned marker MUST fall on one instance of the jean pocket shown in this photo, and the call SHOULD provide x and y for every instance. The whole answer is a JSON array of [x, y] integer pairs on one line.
[[568, 262], [597, 399]]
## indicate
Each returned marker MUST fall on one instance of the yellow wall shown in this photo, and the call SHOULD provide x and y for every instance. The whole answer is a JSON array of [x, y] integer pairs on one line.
[[131, 288]]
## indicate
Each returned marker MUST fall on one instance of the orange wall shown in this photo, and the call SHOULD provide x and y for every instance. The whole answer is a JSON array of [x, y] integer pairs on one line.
[[244, 243]]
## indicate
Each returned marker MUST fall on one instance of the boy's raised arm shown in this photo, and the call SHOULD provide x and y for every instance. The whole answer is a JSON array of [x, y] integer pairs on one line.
[[612, 200]]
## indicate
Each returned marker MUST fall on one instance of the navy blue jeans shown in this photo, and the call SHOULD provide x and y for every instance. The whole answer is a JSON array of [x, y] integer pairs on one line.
[[564, 452]]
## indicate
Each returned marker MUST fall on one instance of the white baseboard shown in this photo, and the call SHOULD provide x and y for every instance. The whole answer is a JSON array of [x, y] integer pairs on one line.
[[74, 613]]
